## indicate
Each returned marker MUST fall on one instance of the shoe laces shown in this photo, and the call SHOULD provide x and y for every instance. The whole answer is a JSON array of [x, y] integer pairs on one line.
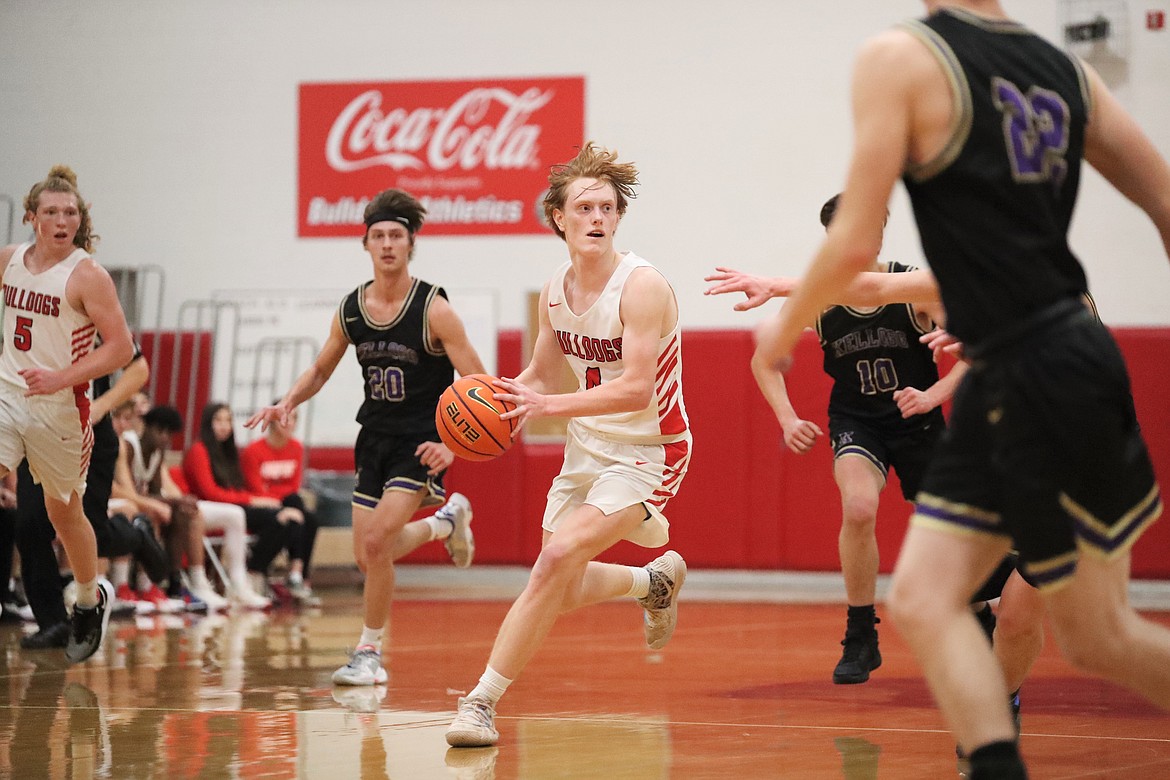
[[478, 710]]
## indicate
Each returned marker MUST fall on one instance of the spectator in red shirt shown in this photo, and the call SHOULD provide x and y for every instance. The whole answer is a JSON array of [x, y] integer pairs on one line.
[[212, 469], [274, 466]]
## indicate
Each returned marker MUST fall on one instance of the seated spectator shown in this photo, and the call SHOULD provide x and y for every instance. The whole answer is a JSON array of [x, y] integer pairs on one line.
[[274, 466], [141, 480], [211, 467]]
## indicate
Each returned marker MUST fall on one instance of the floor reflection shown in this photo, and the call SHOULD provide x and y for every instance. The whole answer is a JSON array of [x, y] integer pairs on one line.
[[742, 691]]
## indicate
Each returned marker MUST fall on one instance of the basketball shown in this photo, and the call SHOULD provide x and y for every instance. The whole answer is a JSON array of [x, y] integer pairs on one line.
[[468, 419]]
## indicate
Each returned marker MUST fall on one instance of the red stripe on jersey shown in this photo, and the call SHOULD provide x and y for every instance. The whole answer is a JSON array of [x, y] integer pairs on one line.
[[673, 421], [668, 359], [84, 333]]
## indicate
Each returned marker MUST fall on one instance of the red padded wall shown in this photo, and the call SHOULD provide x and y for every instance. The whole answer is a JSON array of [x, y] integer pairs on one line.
[[748, 503]]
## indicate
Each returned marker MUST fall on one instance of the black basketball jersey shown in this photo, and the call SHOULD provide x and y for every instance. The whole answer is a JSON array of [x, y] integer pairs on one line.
[[403, 370], [993, 209], [872, 353]]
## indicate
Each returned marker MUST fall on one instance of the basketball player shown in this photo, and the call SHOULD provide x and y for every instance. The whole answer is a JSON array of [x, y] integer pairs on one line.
[[409, 341], [987, 125], [1017, 626], [614, 318], [884, 411], [58, 301]]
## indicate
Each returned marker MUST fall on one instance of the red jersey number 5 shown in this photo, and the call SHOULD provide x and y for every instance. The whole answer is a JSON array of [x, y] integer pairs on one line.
[[22, 335]]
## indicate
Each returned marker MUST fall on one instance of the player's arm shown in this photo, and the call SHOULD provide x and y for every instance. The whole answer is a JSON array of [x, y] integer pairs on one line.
[[799, 434], [130, 381], [309, 383], [884, 81], [869, 288], [447, 327], [647, 304], [91, 291], [1116, 146]]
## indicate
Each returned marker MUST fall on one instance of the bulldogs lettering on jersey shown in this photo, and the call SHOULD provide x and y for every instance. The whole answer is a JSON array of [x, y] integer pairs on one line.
[[592, 345], [37, 311]]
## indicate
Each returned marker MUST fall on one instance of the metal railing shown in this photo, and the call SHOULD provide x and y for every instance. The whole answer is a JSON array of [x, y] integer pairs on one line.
[[133, 284], [208, 316], [277, 363]]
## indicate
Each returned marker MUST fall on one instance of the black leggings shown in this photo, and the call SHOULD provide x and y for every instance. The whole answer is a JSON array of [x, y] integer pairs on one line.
[[271, 537], [302, 537]]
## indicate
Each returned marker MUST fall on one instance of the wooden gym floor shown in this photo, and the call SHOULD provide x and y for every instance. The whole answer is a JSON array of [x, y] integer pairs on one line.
[[742, 691]]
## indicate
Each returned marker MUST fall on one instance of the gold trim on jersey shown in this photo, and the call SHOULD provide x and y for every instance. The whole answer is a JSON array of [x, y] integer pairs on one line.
[[432, 347], [1128, 528], [961, 94], [370, 321]]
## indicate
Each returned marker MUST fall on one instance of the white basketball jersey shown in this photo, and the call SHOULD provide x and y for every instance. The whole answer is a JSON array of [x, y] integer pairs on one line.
[[592, 343], [41, 329]]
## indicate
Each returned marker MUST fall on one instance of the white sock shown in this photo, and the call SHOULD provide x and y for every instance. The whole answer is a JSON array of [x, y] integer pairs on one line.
[[372, 637], [198, 578], [120, 572], [144, 583], [87, 595], [640, 587], [491, 685], [440, 527]]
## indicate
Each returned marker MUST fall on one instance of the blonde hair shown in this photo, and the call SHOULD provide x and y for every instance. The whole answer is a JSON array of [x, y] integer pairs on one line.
[[591, 162], [61, 178]]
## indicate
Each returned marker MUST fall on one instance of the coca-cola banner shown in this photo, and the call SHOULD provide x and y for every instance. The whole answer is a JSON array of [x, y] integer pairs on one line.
[[476, 153]]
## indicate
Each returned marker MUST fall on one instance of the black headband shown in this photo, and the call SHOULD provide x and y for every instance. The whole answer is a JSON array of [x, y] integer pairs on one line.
[[388, 216]]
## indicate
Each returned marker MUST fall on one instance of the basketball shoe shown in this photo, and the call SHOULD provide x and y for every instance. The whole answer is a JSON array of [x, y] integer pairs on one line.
[[861, 655], [364, 668], [474, 724], [89, 625], [667, 574], [460, 544]]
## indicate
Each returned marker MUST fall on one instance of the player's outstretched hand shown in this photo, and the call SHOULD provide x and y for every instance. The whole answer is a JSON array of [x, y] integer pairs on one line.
[[941, 341], [267, 415], [728, 280]]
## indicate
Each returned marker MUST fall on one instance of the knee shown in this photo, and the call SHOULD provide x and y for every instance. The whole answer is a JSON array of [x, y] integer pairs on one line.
[[375, 546], [859, 512], [553, 566], [1019, 623], [913, 606]]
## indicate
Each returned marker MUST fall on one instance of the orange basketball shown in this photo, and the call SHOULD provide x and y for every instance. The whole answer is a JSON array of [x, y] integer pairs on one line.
[[468, 419]]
